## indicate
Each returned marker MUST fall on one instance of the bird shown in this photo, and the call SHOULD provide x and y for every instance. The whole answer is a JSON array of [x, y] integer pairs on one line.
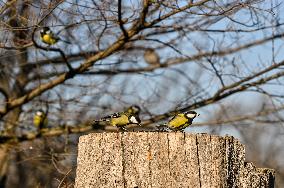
[[122, 119], [48, 37], [40, 119], [181, 120], [151, 57]]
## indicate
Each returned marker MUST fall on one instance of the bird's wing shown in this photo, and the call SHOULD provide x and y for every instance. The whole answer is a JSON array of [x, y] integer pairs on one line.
[[115, 115], [54, 36], [174, 117]]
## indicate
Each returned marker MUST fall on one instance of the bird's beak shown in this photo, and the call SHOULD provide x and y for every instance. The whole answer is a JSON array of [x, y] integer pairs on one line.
[[198, 114]]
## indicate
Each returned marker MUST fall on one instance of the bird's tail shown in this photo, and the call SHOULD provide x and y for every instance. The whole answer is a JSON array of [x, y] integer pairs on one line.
[[162, 127], [106, 118], [97, 124], [94, 122]]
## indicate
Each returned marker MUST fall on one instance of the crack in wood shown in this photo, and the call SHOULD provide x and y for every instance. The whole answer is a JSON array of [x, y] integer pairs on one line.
[[123, 160], [198, 162]]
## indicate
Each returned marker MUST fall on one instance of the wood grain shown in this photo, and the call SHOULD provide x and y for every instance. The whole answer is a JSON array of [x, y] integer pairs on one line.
[[163, 159]]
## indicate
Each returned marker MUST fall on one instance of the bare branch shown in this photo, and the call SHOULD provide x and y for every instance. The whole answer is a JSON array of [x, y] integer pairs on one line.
[[121, 22]]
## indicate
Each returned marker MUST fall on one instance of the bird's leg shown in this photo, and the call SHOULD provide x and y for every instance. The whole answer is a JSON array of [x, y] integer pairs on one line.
[[123, 128], [162, 128]]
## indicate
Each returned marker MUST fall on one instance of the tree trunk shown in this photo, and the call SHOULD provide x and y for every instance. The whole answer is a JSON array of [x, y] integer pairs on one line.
[[160, 159], [3, 164]]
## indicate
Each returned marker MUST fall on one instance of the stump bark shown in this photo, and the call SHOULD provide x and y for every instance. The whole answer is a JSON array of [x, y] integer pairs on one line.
[[166, 160]]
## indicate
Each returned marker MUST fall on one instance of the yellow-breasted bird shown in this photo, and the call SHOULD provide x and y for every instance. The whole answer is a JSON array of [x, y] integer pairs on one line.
[[48, 37], [40, 119], [121, 119], [182, 120]]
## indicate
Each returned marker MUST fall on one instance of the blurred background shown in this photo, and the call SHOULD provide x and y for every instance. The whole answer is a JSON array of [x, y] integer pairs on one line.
[[223, 59]]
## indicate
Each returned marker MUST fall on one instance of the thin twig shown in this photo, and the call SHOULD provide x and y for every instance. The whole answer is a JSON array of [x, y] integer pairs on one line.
[[126, 37]]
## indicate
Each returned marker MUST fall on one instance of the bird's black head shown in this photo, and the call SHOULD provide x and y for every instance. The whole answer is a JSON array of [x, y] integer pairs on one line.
[[191, 114], [40, 113], [44, 30]]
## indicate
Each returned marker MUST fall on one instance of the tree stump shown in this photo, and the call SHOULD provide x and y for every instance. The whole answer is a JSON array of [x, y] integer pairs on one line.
[[165, 159]]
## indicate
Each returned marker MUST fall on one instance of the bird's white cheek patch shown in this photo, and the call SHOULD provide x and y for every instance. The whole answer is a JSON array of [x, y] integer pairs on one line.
[[39, 113], [133, 120], [191, 115]]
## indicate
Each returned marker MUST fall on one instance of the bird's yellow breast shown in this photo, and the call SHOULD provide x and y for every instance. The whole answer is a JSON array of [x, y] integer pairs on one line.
[[40, 121], [179, 121], [119, 121], [37, 121], [48, 39]]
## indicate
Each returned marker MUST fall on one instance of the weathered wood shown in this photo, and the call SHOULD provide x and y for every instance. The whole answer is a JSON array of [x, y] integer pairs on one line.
[[161, 159]]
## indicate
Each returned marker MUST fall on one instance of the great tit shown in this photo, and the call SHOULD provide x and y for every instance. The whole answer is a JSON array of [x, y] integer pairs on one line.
[[151, 57], [122, 119], [182, 120], [40, 119], [48, 37]]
